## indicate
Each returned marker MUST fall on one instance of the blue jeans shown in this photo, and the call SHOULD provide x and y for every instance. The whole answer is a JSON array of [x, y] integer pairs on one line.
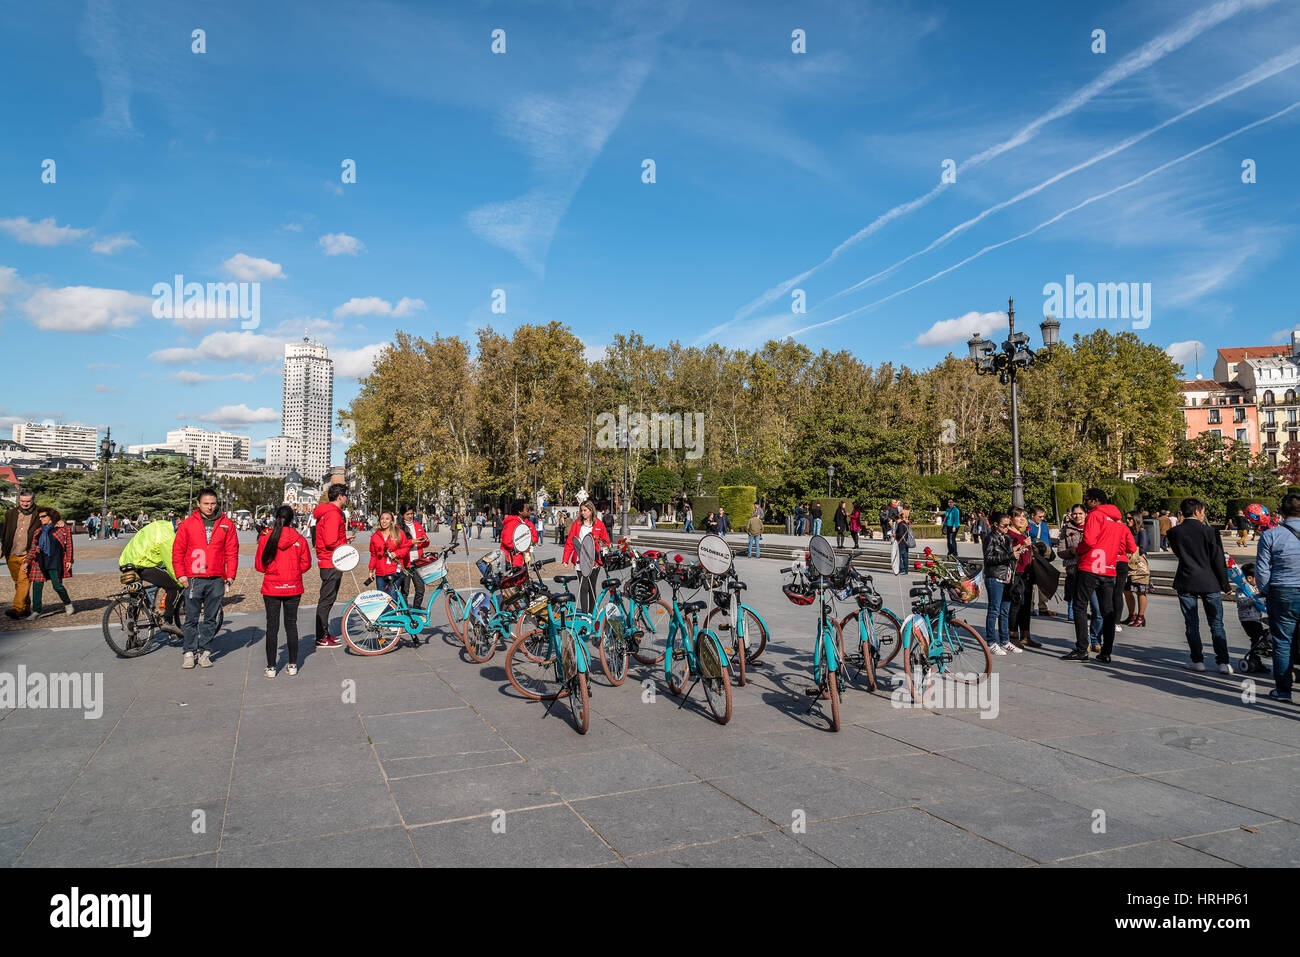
[[388, 583], [753, 547], [799, 526], [995, 625], [817, 526], [202, 602], [1283, 615], [689, 526], [1213, 602], [902, 560], [1096, 619]]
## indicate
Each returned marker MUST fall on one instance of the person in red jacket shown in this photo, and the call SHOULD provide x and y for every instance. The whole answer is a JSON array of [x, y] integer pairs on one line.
[[389, 551], [205, 555], [283, 556], [331, 532], [586, 526], [1103, 538], [1122, 545], [520, 510], [419, 543]]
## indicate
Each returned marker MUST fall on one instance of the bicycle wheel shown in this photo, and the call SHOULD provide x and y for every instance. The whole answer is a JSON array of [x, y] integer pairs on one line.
[[650, 624], [887, 629], [679, 671], [753, 627], [129, 629], [613, 647], [480, 639], [833, 692], [575, 682], [719, 622], [971, 659], [856, 659], [917, 663], [715, 675], [532, 668], [454, 606], [367, 638]]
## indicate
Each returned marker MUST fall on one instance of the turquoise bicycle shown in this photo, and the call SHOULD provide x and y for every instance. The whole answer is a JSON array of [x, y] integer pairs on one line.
[[741, 627], [935, 642], [691, 649], [867, 639], [491, 615], [811, 581], [551, 661], [375, 622]]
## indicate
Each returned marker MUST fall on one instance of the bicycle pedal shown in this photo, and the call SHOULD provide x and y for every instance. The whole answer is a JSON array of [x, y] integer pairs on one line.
[[812, 692]]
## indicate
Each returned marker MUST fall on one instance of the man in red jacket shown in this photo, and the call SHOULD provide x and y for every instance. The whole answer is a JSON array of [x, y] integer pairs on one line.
[[520, 511], [1103, 538], [205, 555], [331, 532]]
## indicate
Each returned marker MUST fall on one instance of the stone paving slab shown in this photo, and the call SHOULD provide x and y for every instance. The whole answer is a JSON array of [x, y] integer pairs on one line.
[[402, 760]]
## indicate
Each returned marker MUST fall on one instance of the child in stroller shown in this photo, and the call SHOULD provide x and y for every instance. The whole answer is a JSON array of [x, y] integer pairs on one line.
[[1250, 612]]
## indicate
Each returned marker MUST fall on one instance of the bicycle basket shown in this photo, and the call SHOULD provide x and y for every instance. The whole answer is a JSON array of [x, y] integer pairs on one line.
[[689, 576], [799, 594], [616, 561], [967, 588], [641, 590], [430, 570]]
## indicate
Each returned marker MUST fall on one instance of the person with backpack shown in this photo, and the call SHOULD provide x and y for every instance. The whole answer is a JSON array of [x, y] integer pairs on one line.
[[283, 557], [1202, 577]]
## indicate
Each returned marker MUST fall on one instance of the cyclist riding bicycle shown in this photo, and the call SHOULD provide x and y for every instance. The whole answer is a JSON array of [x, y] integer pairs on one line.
[[150, 552]]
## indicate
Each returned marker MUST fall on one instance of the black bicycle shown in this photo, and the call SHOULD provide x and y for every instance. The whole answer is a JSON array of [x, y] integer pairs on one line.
[[135, 616]]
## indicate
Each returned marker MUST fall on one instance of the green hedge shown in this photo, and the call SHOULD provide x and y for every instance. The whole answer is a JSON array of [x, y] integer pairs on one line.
[[1236, 505], [1123, 495], [739, 501], [1172, 503], [701, 506], [1068, 495]]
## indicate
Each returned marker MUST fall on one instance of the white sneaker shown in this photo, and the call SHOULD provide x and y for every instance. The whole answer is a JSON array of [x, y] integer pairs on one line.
[[188, 660], [1118, 629], [1014, 648], [291, 670], [69, 609], [997, 649], [269, 672], [1226, 669], [1196, 665]]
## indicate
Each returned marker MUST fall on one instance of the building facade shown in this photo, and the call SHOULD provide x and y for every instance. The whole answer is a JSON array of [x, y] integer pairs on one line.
[[308, 411], [1226, 409], [49, 438], [207, 447]]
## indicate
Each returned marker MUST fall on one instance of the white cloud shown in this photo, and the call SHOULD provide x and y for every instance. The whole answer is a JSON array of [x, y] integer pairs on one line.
[[355, 363], [85, 309], [251, 269], [948, 331], [113, 244], [189, 377], [233, 415], [44, 233], [592, 353], [1186, 353], [293, 228], [340, 244], [374, 306], [318, 328], [226, 347]]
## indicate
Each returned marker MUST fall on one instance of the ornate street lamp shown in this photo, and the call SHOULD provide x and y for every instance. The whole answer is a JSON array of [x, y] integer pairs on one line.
[[699, 477], [419, 486], [1014, 355], [830, 476], [397, 488], [106, 447]]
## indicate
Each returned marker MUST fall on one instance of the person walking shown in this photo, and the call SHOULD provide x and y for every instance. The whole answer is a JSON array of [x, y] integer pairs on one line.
[[1067, 551], [586, 526], [689, 524], [389, 551], [20, 528], [1277, 575], [798, 520], [906, 540], [855, 524], [331, 534], [1166, 523], [841, 525], [724, 522], [205, 554], [1202, 576], [1102, 530], [1138, 585], [815, 509], [480, 520], [50, 559], [283, 557], [951, 524], [754, 528], [999, 569]]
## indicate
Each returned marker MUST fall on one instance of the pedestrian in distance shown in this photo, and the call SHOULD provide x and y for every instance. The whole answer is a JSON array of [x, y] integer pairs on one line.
[[815, 510], [724, 523], [951, 524], [283, 556], [841, 524], [754, 529], [50, 559], [20, 528], [855, 524]]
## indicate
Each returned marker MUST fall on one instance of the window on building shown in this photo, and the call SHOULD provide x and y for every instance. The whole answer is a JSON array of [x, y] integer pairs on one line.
[[1218, 432], [1267, 398], [1268, 417], [1290, 396], [1238, 415], [1214, 419], [1272, 459], [1241, 435], [1270, 438]]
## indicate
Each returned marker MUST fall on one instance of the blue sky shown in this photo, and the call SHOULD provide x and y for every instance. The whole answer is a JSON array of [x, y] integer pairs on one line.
[[775, 172]]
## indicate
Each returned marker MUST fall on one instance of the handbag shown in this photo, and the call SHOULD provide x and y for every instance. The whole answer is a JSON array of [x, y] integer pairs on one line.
[[1139, 569]]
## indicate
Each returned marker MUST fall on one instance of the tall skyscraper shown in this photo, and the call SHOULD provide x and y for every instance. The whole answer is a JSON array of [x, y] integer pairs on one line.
[[308, 414]]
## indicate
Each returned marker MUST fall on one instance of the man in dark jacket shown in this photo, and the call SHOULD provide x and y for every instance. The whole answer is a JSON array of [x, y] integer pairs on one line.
[[724, 523], [20, 528], [1202, 574]]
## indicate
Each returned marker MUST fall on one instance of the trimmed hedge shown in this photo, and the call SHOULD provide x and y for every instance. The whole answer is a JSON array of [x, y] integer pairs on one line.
[[1237, 505], [701, 506], [1068, 495], [1123, 495], [739, 501]]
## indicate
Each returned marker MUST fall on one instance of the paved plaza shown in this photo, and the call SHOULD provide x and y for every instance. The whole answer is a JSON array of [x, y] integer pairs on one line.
[[421, 757]]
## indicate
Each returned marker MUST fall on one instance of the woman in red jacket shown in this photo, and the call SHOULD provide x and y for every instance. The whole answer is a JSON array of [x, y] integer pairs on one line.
[[282, 556], [587, 526], [389, 550]]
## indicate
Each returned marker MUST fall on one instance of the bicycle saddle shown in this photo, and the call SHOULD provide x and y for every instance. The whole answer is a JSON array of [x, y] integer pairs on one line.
[[694, 606], [564, 579]]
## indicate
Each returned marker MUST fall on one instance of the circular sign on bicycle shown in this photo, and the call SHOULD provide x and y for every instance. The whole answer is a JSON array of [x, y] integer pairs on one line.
[[822, 556], [522, 538], [714, 554], [345, 558]]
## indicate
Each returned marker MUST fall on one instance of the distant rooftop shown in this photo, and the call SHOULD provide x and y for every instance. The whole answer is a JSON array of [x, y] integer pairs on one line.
[[1253, 352]]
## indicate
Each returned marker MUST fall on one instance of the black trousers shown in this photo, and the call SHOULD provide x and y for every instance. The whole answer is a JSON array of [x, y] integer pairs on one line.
[[1018, 619], [329, 590], [414, 576], [1085, 583], [274, 606], [839, 538], [159, 577], [1116, 603]]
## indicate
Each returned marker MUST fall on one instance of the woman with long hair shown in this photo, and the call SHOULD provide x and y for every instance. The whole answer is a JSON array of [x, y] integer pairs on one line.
[[389, 549], [999, 569], [586, 525], [50, 559], [282, 557], [841, 525], [1138, 586], [855, 524], [1023, 550]]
